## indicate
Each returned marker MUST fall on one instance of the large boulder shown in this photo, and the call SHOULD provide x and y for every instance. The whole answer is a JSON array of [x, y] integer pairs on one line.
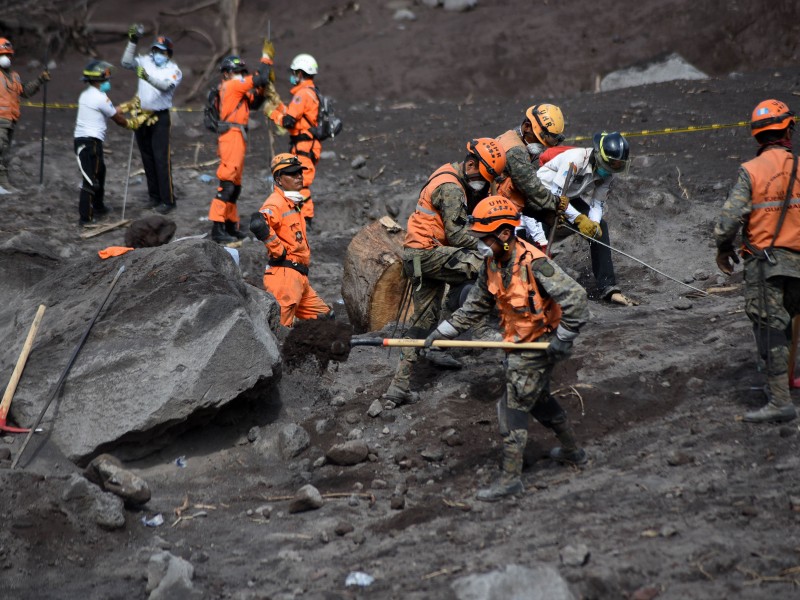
[[181, 336]]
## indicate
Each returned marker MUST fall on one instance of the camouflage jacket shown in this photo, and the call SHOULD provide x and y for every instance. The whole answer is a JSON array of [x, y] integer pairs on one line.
[[523, 174], [551, 280], [450, 201]]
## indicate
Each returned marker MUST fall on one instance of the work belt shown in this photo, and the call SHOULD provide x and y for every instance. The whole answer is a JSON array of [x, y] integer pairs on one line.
[[289, 264]]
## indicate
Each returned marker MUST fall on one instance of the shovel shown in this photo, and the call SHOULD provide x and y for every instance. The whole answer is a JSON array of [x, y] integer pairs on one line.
[[408, 343]]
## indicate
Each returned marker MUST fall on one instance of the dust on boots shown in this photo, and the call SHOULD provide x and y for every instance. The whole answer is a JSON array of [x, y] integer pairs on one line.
[[502, 488], [779, 409], [220, 235]]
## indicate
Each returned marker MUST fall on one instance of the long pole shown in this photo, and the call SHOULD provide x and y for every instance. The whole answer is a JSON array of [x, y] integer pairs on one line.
[[67, 368], [17, 374], [128, 178]]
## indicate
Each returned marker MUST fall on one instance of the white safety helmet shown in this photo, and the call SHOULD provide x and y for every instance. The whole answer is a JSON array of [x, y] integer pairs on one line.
[[305, 63]]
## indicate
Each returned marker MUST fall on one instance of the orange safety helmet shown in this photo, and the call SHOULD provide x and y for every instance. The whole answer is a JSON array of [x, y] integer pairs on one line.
[[285, 162], [5, 46], [547, 123], [770, 114], [490, 156], [491, 213]]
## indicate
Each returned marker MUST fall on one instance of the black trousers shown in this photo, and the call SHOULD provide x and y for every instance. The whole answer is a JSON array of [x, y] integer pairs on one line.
[[153, 142], [93, 176]]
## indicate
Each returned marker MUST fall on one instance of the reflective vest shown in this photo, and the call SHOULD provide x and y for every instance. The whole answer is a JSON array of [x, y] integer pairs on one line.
[[10, 91], [510, 139], [769, 179], [425, 225], [524, 313]]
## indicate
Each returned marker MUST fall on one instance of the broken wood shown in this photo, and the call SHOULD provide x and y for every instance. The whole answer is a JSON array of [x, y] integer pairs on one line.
[[95, 230], [373, 281]]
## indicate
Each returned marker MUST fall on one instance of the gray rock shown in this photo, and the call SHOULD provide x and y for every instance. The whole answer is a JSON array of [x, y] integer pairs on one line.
[[375, 408], [459, 5], [540, 582], [349, 453], [327, 155], [84, 501], [253, 434], [306, 498], [169, 577], [358, 162], [108, 509], [433, 454], [77, 487], [292, 440], [574, 556], [109, 473], [209, 332], [683, 304], [670, 69], [404, 14]]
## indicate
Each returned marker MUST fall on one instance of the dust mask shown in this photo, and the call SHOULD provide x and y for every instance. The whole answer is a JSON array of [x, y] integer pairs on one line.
[[535, 149], [484, 250], [105, 87], [477, 185], [160, 59], [295, 197], [5, 62], [602, 173], [293, 79]]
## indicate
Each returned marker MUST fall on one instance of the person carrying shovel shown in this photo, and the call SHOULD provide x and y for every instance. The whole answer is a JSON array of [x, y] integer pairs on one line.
[[536, 301]]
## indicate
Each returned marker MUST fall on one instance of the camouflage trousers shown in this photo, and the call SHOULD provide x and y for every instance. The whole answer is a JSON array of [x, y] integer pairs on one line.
[[6, 136], [770, 304], [528, 393], [436, 268]]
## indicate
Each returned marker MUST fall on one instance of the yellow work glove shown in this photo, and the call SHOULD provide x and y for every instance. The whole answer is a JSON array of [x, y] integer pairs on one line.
[[131, 106], [268, 57], [138, 120], [588, 227], [563, 203]]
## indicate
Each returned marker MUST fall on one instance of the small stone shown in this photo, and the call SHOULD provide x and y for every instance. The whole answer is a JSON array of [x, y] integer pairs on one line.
[[351, 418], [667, 531], [378, 484], [320, 462], [306, 498], [575, 556], [451, 437], [338, 401], [397, 502], [375, 408], [358, 162], [433, 454], [355, 434], [253, 434], [683, 304], [677, 459], [343, 528]]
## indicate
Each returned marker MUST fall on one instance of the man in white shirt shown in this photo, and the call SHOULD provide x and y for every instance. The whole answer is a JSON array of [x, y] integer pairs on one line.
[[94, 107], [588, 191], [158, 77]]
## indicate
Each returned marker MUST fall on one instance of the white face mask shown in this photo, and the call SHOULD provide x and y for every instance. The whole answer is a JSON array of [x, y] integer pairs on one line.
[[295, 197], [5, 62], [535, 149], [484, 250], [477, 185]]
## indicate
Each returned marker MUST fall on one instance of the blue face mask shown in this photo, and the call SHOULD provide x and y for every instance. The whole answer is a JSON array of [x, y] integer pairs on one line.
[[160, 59], [105, 87], [293, 79], [603, 173]]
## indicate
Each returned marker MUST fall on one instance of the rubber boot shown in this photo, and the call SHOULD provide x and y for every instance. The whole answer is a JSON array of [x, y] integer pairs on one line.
[[779, 409], [400, 396], [509, 483], [219, 235], [232, 229], [568, 452]]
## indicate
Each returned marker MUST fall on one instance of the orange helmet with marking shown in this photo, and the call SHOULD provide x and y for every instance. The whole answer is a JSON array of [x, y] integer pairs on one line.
[[547, 123], [492, 213], [5, 46], [770, 114], [490, 156], [285, 162]]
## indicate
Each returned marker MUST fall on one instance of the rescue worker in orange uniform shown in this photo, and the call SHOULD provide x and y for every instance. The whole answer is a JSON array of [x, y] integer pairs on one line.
[[765, 204], [298, 117], [279, 224], [542, 128], [438, 249], [239, 93], [537, 301], [11, 88]]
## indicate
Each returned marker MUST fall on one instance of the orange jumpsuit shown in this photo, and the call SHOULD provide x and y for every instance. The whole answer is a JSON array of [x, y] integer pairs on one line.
[[235, 98], [302, 111], [286, 275]]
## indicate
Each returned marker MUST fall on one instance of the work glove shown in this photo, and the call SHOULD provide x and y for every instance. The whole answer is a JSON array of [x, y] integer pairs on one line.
[[445, 331], [726, 254], [141, 73], [135, 32], [259, 226], [588, 227], [45, 76], [131, 106], [563, 203], [142, 118], [561, 344]]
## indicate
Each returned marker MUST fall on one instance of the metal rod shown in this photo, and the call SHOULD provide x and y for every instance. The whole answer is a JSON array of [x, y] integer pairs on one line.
[[409, 343], [128, 178], [641, 262], [67, 368]]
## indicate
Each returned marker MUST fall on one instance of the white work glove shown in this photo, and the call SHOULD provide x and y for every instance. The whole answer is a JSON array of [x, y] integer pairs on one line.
[[445, 331]]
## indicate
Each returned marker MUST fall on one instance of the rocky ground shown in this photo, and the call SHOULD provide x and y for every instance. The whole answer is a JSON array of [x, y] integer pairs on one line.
[[679, 499]]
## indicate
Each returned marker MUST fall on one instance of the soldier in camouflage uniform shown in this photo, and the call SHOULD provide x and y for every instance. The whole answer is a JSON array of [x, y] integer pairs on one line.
[[542, 128], [537, 301], [765, 203], [438, 249]]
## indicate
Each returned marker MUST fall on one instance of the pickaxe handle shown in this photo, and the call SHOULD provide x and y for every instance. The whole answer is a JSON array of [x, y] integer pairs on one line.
[[448, 344]]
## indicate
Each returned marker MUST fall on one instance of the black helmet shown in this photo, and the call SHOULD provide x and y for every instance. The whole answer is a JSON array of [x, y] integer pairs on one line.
[[162, 42], [234, 64], [97, 70], [611, 151]]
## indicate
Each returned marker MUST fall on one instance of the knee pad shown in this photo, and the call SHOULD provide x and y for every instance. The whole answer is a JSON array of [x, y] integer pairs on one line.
[[237, 190], [549, 412], [226, 191]]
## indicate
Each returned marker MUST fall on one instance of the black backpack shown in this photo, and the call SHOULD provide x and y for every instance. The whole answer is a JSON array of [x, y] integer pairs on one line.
[[328, 124], [211, 110]]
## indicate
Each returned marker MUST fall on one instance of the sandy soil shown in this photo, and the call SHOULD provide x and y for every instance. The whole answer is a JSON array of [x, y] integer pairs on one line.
[[679, 499]]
